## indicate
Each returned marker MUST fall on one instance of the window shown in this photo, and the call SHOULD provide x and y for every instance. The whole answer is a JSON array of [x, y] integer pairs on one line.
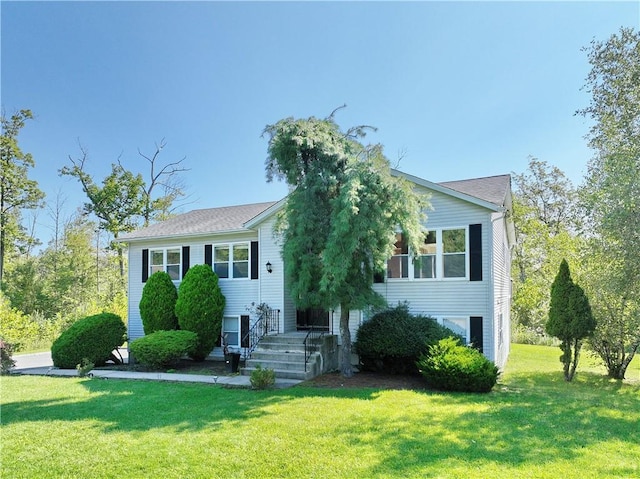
[[231, 261], [443, 254], [398, 265], [241, 260], [167, 260], [459, 326], [221, 261], [454, 253], [231, 330], [426, 266]]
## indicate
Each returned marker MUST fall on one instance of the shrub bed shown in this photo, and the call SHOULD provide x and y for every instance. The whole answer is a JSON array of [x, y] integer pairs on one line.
[[92, 338], [163, 348], [451, 366], [393, 340]]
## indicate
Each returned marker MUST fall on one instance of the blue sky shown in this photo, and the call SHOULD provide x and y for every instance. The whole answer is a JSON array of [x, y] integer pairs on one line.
[[457, 89]]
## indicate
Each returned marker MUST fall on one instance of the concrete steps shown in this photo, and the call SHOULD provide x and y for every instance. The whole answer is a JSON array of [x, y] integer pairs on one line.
[[284, 353]]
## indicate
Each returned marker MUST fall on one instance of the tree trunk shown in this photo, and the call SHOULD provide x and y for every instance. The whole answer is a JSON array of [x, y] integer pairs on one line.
[[577, 345], [345, 348]]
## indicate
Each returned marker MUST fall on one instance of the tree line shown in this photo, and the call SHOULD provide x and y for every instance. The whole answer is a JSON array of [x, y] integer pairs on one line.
[[595, 227]]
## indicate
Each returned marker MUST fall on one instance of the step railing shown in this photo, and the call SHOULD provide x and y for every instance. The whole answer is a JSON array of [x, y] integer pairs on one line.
[[267, 323], [312, 342]]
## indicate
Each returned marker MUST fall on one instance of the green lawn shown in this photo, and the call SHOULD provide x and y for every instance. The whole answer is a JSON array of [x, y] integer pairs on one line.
[[532, 425]]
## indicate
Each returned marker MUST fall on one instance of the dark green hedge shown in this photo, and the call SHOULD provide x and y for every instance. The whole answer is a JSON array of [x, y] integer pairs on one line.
[[93, 338], [200, 307], [451, 366], [393, 340], [163, 348], [158, 303]]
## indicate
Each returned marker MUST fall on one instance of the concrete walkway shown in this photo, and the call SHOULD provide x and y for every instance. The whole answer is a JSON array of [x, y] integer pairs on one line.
[[40, 364]]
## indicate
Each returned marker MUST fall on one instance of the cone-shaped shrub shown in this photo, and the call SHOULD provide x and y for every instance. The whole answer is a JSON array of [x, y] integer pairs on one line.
[[158, 304], [92, 338], [199, 308]]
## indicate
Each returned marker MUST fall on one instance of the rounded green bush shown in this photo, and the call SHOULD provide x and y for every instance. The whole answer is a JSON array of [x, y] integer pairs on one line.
[[163, 348], [451, 366], [393, 340], [158, 303], [200, 307], [92, 338]]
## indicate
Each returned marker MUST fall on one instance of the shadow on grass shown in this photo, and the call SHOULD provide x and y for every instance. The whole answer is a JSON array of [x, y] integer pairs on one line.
[[126, 405], [527, 420]]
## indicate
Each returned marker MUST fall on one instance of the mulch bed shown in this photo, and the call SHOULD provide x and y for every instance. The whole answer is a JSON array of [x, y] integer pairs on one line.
[[364, 379]]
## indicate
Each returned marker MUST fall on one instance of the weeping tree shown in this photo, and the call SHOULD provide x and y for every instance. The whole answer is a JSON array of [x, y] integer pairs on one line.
[[339, 222], [570, 318]]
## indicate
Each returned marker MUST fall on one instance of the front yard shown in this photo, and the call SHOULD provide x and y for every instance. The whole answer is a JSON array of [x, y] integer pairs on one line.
[[532, 425]]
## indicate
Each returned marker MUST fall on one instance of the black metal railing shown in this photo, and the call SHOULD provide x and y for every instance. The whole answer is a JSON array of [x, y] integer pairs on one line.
[[312, 342], [268, 322]]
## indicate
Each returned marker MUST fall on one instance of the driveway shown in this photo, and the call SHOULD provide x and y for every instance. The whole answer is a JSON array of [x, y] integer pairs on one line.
[[43, 360], [34, 360]]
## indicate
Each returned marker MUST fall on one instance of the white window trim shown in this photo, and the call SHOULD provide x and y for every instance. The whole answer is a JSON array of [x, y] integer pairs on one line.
[[164, 250], [237, 318], [466, 319], [230, 262], [439, 255]]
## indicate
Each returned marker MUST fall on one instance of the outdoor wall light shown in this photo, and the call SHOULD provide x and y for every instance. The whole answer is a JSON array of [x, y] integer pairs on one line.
[[269, 268]]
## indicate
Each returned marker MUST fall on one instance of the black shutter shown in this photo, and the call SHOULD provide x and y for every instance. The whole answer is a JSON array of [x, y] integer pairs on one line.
[[476, 332], [244, 331], [254, 260], [475, 252], [145, 265], [208, 254], [378, 276], [185, 260]]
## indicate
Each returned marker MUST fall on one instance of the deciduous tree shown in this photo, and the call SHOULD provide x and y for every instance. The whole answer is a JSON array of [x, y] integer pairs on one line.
[[611, 193], [117, 204], [341, 216], [17, 191]]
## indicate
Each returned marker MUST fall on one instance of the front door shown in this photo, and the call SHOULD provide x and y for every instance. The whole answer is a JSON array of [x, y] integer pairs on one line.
[[317, 319]]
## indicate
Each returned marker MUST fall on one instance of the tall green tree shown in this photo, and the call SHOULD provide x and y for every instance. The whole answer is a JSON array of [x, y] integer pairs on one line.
[[544, 209], [611, 193], [570, 318], [341, 216], [117, 203], [17, 191]]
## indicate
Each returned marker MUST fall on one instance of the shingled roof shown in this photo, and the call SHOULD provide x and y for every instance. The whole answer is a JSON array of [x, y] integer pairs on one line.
[[493, 189], [199, 222]]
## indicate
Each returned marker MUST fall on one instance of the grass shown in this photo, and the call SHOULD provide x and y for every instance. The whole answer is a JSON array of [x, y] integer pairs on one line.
[[533, 425]]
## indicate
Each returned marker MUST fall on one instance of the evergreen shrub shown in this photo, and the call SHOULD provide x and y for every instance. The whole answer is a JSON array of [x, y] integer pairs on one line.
[[262, 378], [393, 340], [92, 338], [451, 366], [163, 348], [199, 308], [158, 303]]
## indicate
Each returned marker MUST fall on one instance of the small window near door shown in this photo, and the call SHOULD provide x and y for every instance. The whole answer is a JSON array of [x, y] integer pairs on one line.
[[231, 330]]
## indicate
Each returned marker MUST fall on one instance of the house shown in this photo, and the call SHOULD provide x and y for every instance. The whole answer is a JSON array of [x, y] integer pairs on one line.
[[463, 279]]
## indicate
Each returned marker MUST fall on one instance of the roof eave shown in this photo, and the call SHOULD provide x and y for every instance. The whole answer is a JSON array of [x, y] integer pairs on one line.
[[448, 191], [185, 235]]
